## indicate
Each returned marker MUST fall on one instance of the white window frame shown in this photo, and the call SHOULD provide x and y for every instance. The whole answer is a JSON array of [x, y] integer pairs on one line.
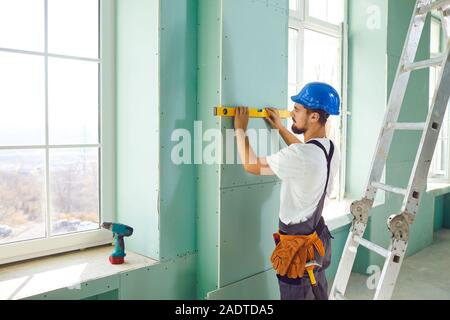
[[30, 249], [434, 176], [300, 20]]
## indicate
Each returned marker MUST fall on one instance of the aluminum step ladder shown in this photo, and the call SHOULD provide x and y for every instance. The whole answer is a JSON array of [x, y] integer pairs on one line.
[[399, 224]]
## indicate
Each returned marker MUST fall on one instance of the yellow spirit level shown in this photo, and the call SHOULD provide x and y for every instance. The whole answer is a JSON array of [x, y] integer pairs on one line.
[[253, 113]]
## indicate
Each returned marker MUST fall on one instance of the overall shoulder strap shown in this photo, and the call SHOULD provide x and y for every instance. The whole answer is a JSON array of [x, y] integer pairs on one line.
[[328, 156]]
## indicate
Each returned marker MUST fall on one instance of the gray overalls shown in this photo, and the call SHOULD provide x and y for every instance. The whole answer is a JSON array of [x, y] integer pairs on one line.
[[301, 289]]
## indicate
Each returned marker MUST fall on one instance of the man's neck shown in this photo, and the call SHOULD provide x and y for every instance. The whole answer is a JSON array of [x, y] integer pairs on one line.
[[319, 133]]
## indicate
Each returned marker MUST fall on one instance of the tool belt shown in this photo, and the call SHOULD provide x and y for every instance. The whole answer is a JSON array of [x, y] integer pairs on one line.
[[292, 253]]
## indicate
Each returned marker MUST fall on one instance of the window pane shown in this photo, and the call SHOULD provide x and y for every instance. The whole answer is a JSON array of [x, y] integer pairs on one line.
[[331, 11], [293, 5], [322, 58], [293, 39], [73, 27], [73, 102], [22, 24], [292, 92], [444, 152], [435, 40], [22, 195], [74, 186], [22, 99]]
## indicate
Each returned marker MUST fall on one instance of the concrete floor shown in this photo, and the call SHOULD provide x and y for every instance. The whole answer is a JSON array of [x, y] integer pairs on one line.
[[424, 276]]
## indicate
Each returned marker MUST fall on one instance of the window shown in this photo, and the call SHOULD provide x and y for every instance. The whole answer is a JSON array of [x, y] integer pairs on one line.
[[439, 171], [56, 125], [317, 52]]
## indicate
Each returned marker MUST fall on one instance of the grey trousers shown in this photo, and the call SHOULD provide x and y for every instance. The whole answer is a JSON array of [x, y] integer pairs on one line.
[[303, 290]]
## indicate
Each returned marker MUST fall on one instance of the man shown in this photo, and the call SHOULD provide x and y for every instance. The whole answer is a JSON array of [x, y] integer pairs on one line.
[[307, 171]]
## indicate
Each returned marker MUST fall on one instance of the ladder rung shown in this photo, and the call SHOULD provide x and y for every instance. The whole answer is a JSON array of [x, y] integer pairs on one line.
[[407, 126], [372, 246], [423, 64], [387, 188], [432, 6]]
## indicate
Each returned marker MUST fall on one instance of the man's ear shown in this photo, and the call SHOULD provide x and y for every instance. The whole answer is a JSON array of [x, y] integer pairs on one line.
[[315, 116]]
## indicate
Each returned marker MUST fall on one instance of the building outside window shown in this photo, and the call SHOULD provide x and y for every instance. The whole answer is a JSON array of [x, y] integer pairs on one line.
[[56, 125]]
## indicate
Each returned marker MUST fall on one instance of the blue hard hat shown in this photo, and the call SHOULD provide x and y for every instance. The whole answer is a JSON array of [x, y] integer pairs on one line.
[[319, 96]]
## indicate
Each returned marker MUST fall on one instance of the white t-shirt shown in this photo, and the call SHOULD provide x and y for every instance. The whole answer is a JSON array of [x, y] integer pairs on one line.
[[302, 169]]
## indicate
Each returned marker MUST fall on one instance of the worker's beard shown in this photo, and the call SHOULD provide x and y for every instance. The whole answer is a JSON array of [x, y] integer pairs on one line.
[[297, 130]]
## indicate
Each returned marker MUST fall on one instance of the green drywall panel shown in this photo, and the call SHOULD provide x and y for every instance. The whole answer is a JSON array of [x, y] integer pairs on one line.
[[209, 69], [399, 18], [178, 110], [254, 73], [446, 211], [248, 219], [365, 258], [233, 174], [415, 105], [263, 286], [254, 70], [421, 232], [415, 109], [83, 291], [111, 295], [237, 66], [439, 213], [382, 46], [366, 89], [137, 123], [170, 280], [337, 247], [254, 53]]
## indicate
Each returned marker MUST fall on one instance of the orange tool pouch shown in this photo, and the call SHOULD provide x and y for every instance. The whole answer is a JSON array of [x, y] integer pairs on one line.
[[293, 252]]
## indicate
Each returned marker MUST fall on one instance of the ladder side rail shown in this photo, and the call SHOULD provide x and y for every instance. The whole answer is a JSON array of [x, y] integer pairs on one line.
[[396, 99], [429, 140], [391, 270], [345, 267]]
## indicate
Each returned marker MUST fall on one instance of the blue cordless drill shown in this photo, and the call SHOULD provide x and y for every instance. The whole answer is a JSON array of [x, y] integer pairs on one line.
[[119, 231]]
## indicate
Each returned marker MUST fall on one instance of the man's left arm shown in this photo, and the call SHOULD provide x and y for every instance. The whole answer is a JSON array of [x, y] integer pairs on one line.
[[251, 163]]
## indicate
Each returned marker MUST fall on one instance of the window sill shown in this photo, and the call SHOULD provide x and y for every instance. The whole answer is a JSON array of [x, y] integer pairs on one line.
[[27, 279], [438, 188], [337, 213]]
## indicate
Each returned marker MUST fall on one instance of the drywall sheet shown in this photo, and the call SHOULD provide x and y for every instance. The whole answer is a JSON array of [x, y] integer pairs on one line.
[[170, 280], [83, 290], [439, 213], [377, 34], [405, 144], [242, 60], [415, 105], [209, 68], [178, 111], [447, 211], [137, 123], [248, 219], [263, 286], [367, 21], [254, 71]]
